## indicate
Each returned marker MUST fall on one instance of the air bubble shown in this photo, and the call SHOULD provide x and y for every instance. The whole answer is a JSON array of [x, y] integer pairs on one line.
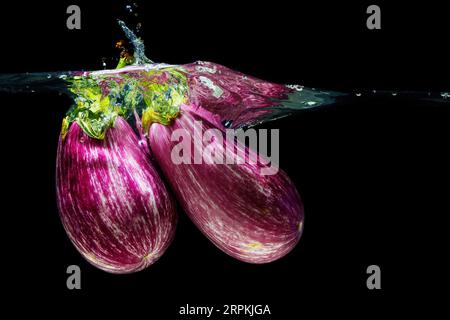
[[227, 123]]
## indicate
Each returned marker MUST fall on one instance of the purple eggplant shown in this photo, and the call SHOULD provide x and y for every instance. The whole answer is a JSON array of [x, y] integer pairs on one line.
[[253, 217], [112, 202]]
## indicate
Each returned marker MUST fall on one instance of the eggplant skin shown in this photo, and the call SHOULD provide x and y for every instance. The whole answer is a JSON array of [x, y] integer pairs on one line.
[[113, 205], [252, 217]]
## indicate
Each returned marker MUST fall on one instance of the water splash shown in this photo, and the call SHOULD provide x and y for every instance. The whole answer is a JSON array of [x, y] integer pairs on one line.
[[138, 45], [34, 82], [156, 92]]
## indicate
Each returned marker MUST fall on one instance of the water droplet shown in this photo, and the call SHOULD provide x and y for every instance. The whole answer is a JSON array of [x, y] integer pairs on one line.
[[49, 76], [82, 139], [358, 94], [227, 123], [394, 94], [138, 44], [206, 69], [104, 62], [296, 87]]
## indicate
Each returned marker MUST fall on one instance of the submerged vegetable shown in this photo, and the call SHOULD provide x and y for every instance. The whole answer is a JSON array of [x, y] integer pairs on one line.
[[112, 202], [253, 217]]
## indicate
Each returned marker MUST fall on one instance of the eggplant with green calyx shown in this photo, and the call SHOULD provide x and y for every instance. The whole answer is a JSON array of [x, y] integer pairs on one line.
[[113, 205]]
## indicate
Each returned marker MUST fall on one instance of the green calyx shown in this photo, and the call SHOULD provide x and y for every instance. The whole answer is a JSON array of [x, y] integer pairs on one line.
[[163, 98], [153, 94], [93, 110]]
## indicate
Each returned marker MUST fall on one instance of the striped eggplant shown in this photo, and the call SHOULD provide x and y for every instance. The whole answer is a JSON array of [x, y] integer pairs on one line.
[[112, 202], [114, 206], [253, 217]]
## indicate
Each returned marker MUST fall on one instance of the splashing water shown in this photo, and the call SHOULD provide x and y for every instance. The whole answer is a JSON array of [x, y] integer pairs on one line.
[[139, 89], [138, 44]]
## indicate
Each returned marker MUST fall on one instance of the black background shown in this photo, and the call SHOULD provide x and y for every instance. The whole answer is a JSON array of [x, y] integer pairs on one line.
[[372, 174]]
